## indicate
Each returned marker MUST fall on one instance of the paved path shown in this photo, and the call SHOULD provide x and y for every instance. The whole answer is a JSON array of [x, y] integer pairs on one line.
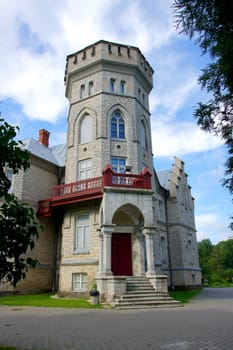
[[204, 324]]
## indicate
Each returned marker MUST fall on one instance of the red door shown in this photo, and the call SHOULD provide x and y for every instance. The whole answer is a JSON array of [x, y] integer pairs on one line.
[[121, 254]]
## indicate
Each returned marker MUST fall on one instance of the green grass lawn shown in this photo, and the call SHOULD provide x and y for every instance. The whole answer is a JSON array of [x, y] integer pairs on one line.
[[45, 300], [184, 296], [7, 348]]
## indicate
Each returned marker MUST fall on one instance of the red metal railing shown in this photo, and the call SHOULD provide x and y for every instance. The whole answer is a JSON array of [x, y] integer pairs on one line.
[[126, 180], [79, 187], [92, 188]]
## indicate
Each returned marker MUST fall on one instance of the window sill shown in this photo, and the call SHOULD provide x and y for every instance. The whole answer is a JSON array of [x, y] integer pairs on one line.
[[82, 251], [79, 290]]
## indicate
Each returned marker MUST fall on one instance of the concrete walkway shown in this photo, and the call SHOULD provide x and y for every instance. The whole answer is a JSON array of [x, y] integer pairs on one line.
[[204, 324]]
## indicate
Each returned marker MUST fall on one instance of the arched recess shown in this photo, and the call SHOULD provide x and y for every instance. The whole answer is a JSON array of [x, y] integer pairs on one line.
[[86, 129], [74, 127], [128, 215], [127, 221]]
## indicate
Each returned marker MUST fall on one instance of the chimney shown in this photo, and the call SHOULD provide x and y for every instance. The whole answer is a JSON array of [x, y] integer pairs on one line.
[[44, 137]]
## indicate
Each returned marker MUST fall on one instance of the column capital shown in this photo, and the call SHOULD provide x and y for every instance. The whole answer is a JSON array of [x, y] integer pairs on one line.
[[149, 230], [107, 228]]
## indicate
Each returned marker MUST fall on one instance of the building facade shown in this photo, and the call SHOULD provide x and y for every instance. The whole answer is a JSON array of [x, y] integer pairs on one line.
[[107, 214]]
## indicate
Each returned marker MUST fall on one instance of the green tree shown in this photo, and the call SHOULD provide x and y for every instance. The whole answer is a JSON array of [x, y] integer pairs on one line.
[[210, 24], [18, 227], [220, 262], [205, 248], [225, 254]]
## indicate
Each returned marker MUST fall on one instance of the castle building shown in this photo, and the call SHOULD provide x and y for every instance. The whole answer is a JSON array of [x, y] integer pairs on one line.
[[107, 214]]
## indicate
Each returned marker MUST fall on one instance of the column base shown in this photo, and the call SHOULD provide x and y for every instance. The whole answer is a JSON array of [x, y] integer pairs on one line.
[[111, 287]]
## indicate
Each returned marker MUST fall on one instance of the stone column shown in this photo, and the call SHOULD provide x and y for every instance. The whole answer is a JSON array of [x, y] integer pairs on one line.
[[142, 254], [149, 236], [107, 231], [100, 270]]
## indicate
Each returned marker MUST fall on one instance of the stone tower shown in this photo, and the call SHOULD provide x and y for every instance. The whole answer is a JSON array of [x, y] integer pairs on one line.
[[109, 121], [111, 234]]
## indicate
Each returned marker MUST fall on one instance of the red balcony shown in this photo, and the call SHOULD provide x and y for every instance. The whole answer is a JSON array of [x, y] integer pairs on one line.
[[92, 188]]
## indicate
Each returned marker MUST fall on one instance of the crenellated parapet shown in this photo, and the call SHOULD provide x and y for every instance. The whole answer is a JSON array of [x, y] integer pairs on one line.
[[108, 52]]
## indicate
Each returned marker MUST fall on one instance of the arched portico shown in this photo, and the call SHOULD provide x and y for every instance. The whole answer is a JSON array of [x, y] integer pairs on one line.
[[126, 245]]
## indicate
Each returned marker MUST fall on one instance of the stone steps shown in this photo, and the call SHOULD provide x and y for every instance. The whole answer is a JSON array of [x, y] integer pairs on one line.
[[140, 294]]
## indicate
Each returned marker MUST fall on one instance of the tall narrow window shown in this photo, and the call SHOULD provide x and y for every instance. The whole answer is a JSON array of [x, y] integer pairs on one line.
[[85, 134], [84, 169], [163, 249], [122, 87], [117, 126], [139, 94], [82, 90], [112, 85], [143, 99], [118, 165], [160, 210], [90, 88], [81, 243]]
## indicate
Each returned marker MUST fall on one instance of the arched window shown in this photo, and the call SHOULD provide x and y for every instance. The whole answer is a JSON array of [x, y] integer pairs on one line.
[[86, 129], [143, 138], [117, 126]]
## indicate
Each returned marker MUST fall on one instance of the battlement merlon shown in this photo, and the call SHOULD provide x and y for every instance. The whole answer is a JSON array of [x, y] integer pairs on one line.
[[112, 52]]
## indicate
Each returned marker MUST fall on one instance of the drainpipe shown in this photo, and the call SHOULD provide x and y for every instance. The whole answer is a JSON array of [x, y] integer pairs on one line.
[[168, 242]]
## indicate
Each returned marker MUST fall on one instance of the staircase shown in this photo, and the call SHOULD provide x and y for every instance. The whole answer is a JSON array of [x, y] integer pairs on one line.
[[140, 294]]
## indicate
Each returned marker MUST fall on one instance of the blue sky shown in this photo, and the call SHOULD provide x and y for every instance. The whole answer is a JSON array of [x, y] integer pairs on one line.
[[38, 35]]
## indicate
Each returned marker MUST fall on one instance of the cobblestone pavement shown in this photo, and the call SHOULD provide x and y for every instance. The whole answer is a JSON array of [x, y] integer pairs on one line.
[[204, 324]]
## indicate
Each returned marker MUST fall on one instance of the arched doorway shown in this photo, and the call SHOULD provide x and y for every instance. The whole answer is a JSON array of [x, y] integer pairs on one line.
[[126, 219]]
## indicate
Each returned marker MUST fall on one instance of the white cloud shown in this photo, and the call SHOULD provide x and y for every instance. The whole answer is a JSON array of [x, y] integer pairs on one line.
[[37, 36], [211, 226], [180, 138]]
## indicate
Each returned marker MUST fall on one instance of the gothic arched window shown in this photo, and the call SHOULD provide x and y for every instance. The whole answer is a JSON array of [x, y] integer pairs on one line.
[[85, 129], [117, 125]]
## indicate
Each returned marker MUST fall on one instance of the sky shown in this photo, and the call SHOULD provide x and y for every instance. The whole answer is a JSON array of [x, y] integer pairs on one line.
[[36, 37]]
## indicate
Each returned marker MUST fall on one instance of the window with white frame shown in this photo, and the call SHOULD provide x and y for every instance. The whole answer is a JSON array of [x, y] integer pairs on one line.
[[84, 169], [82, 233], [118, 164], [117, 125], [79, 282], [85, 134]]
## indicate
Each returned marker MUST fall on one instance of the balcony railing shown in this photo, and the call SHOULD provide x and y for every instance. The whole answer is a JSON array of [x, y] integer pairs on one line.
[[88, 186], [92, 188]]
